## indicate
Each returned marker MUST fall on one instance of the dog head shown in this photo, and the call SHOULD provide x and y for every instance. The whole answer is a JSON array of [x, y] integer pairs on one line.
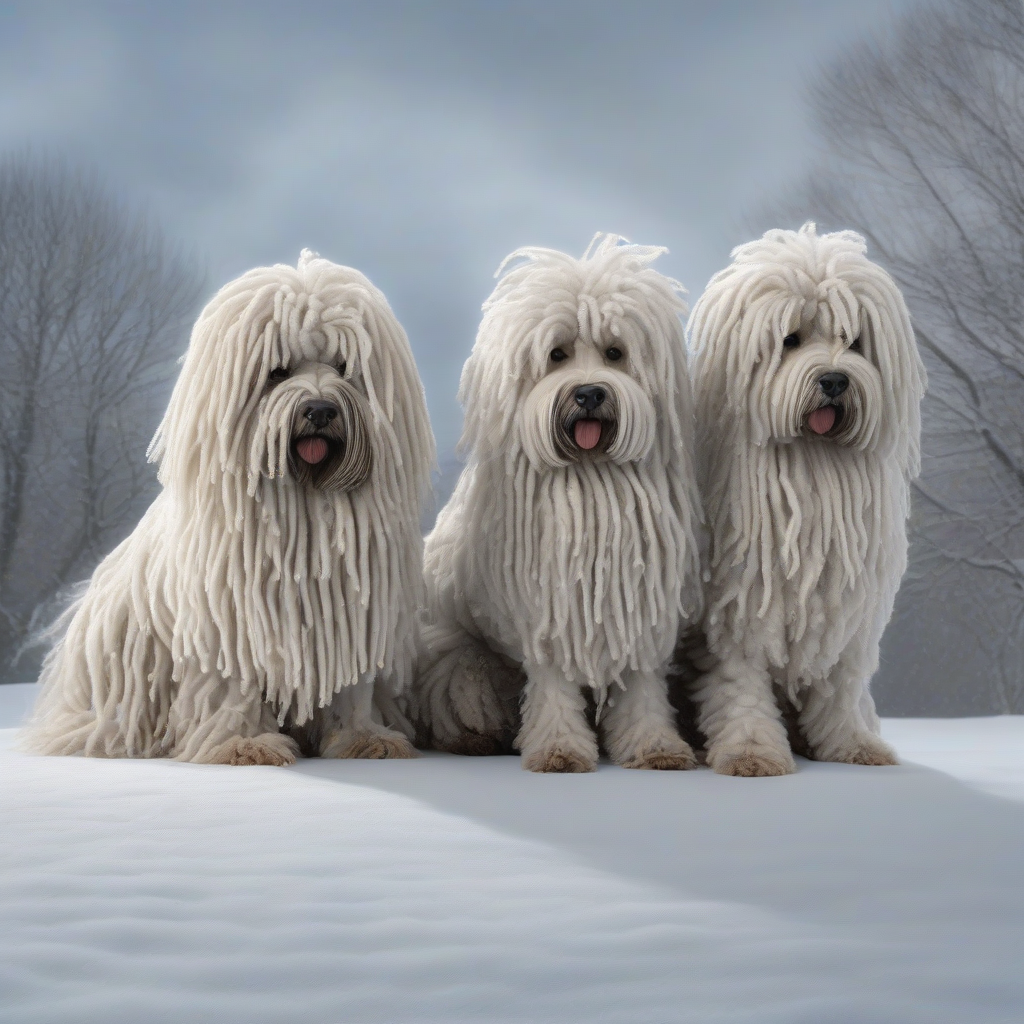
[[298, 375], [802, 336], [578, 360]]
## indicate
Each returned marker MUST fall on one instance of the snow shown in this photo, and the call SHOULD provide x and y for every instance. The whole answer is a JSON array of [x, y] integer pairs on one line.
[[456, 889]]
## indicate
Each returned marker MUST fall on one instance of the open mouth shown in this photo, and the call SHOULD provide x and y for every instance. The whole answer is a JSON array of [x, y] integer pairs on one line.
[[587, 433], [313, 449], [330, 448], [826, 419], [587, 428], [590, 435]]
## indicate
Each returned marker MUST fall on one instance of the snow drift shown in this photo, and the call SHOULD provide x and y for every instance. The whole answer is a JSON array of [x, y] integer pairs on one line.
[[459, 889]]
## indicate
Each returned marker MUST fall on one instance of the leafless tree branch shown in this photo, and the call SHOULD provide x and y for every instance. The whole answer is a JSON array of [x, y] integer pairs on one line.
[[923, 135]]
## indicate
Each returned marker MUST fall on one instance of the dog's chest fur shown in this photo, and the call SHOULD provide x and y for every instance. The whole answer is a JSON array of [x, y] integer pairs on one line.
[[585, 568], [809, 547], [311, 595]]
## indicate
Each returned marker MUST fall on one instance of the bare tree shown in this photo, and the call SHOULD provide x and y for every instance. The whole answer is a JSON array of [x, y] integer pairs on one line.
[[923, 152], [93, 307]]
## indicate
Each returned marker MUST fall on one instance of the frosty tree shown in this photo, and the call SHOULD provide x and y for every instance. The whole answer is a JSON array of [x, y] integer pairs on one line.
[[93, 305], [924, 154]]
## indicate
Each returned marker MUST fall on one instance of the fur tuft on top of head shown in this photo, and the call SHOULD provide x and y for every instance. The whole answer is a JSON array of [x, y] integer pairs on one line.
[[792, 306]]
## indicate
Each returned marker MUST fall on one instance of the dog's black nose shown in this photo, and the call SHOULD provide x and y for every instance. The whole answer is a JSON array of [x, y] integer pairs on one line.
[[320, 413], [833, 384], [589, 397]]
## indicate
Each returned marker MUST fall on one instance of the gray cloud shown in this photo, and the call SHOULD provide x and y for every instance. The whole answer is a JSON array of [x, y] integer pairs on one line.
[[422, 143]]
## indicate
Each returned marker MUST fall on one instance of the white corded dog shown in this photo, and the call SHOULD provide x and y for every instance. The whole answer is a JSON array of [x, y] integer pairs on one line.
[[276, 576], [808, 386], [562, 568]]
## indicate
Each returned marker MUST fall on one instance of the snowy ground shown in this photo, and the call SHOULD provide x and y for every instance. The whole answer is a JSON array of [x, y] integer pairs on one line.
[[454, 889]]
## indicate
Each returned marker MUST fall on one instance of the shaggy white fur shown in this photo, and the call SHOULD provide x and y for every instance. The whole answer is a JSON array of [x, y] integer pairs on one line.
[[277, 574], [808, 386], [566, 560]]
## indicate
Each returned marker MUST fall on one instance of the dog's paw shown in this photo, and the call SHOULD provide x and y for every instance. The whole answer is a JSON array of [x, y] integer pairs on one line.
[[270, 748], [866, 750], [559, 760], [751, 764], [663, 760], [367, 745]]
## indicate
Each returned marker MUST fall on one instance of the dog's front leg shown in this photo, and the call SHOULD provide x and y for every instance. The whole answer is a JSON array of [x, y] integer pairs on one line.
[[555, 734], [214, 722], [839, 721], [739, 716], [352, 729], [638, 726]]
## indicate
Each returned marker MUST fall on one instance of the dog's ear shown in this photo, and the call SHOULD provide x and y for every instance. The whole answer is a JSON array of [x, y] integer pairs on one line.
[[893, 351]]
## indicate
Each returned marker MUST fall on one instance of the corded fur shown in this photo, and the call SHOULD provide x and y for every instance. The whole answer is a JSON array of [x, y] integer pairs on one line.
[[241, 586], [808, 533], [584, 567]]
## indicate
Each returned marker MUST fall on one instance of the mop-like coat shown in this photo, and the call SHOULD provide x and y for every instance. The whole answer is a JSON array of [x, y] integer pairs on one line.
[[277, 574], [565, 562], [808, 386]]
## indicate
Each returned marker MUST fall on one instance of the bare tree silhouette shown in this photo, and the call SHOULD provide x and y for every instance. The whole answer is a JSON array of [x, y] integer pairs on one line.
[[923, 152], [93, 308]]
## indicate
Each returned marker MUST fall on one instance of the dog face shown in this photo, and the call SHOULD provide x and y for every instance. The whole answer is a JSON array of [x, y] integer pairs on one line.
[[585, 405], [314, 422], [822, 385], [578, 361], [301, 377], [803, 337]]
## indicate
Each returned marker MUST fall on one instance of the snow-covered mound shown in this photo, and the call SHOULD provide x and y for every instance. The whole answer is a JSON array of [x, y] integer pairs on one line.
[[455, 889]]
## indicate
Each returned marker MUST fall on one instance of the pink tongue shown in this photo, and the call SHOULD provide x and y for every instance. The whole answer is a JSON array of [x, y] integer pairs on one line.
[[587, 433], [312, 449], [821, 420]]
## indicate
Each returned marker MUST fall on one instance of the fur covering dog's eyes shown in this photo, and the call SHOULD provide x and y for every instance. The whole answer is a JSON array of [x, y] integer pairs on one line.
[[277, 375], [558, 355], [613, 354], [342, 367], [791, 341], [855, 345]]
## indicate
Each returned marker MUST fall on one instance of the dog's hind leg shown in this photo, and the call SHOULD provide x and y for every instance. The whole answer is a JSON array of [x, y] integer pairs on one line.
[[556, 735], [638, 726], [351, 728], [467, 700], [839, 722], [106, 684], [739, 716]]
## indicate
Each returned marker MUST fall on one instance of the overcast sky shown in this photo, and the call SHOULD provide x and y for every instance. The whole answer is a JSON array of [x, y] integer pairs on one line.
[[421, 142]]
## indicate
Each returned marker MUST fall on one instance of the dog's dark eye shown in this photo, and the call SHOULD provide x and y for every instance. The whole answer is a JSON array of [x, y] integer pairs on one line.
[[855, 345], [342, 367], [791, 341], [613, 353], [278, 374], [558, 354]]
